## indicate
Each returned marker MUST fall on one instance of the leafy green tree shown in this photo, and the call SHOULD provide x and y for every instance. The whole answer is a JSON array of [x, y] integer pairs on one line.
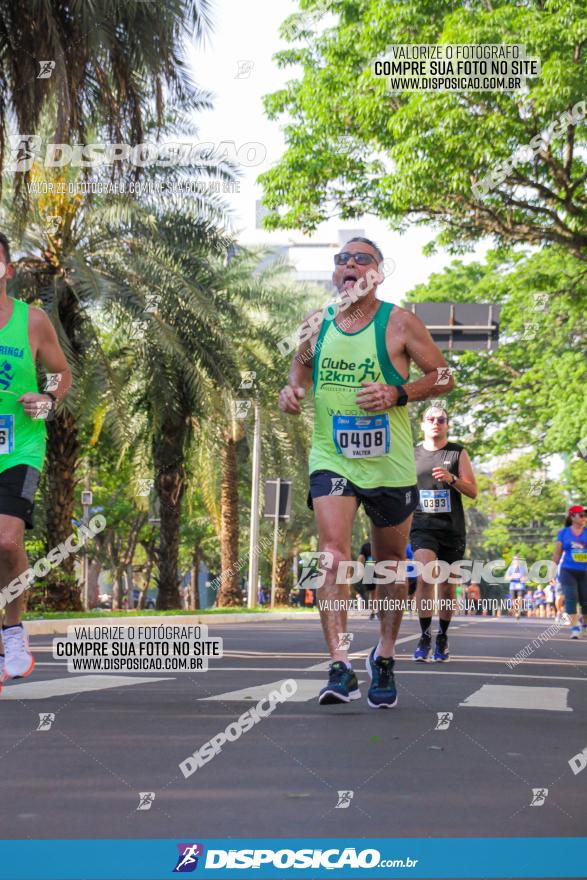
[[198, 539], [533, 389], [115, 489], [55, 273], [266, 294], [352, 146], [524, 509]]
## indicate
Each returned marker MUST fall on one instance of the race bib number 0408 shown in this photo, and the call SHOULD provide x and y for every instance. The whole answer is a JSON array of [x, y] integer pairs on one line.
[[6, 434], [435, 500], [361, 436]]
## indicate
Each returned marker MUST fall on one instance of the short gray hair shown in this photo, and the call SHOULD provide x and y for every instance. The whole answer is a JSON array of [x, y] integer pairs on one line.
[[369, 242]]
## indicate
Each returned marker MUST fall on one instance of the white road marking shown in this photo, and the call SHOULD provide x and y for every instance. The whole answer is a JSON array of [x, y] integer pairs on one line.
[[60, 687], [498, 696], [503, 661], [307, 690], [432, 670], [555, 699], [423, 669]]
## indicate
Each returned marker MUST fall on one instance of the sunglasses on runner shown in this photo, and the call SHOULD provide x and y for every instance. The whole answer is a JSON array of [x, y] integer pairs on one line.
[[361, 258], [440, 419]]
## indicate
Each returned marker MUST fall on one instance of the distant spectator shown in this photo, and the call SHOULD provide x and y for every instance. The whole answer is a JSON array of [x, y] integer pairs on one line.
[[517, 575]]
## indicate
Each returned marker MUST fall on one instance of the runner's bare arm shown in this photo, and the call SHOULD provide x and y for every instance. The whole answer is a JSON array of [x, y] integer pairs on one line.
[[418, 346], [558, 552], [45, 346], [300, 373], [465, 483], [421, 348]]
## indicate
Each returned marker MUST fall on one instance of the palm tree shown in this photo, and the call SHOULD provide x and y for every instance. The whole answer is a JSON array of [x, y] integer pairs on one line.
[[69, 240], [112, 67], [267, 295], [167, 270], [113, 63], [54, 273]]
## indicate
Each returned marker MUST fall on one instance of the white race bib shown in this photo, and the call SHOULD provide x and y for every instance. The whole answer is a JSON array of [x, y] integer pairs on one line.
[[361, 436], [6, 434], [435, 500]]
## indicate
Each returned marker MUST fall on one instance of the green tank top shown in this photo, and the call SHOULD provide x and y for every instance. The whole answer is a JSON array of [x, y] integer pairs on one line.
[[22, 439], [369, 449]]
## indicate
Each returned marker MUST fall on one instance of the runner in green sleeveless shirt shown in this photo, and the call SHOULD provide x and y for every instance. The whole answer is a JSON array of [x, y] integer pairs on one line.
[[26, 335], [357, 358]]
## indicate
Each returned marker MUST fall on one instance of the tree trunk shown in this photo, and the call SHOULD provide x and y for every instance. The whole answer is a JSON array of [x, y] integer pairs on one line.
[[63, 450], [117, 588], [283, 580], [169, 483], [229, 591], [150, 551], [93, 586], [63, 453], [194, 600], [142, 596], [129, 585]]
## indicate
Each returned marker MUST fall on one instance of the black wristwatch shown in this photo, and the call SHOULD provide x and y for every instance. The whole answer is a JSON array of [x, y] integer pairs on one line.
[[402, 397]]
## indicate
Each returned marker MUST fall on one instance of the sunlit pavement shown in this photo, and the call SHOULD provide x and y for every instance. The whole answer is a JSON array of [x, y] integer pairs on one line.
[[82, 777]]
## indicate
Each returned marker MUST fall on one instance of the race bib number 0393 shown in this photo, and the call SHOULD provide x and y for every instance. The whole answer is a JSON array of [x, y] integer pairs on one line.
[[361, 436], [6, 434], [435, 500]]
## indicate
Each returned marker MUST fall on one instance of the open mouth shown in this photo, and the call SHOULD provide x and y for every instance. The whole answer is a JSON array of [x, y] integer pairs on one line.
[[349, 279]]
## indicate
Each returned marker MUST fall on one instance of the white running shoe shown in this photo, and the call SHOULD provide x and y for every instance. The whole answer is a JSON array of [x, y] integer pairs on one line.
[[576, 632], [18, 660]]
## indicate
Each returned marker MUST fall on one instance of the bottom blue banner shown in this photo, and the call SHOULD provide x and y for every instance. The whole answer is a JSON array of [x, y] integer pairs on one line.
[[276, 858]]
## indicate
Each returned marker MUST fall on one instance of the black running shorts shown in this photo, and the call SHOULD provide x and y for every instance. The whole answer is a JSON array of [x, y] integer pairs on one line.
[[384, 506], [17, 492], [448, 548]]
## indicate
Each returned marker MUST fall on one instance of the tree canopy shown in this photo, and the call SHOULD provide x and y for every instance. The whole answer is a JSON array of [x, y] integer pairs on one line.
[[353, 148]]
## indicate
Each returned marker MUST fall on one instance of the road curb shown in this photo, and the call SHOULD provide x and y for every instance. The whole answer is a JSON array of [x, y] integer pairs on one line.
[[59, 627]]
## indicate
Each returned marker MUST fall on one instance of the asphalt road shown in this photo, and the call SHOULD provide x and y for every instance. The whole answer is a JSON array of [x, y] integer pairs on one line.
[[512, 731]]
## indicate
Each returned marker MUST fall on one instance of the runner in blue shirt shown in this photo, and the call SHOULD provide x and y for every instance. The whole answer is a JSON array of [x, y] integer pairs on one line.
[[539, 599], [517, 575], [571, 552]]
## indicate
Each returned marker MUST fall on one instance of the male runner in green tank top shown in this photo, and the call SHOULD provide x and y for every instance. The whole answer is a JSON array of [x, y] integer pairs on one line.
[[358, 363], [26, 334]]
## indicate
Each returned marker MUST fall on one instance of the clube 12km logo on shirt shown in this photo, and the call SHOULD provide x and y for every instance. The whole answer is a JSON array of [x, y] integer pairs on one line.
[[191, 854]]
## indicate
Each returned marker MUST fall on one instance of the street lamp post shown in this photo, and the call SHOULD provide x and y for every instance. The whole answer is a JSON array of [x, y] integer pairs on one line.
[[275, 537], [254, 526], [86, 504]]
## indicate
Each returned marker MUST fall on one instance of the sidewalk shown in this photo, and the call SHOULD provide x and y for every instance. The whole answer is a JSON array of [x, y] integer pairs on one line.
[[59, 627]]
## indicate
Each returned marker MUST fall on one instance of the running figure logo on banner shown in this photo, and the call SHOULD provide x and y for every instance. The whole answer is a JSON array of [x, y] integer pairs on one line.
[[188, 857]]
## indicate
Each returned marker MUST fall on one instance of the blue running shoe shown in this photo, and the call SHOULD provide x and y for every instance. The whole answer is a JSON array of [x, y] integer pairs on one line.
[[422, 652], [382, 693], [441, 654], [342, 685]]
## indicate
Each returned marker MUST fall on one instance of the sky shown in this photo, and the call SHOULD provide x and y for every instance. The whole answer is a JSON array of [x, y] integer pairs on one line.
[[237, 66]]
